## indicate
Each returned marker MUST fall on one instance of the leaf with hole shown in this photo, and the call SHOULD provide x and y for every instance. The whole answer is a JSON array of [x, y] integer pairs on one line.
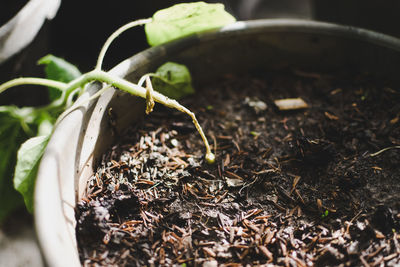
[[173, 80], [185, 19]]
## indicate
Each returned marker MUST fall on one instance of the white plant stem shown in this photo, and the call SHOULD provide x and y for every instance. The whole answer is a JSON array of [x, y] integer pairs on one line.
[[115, 35]]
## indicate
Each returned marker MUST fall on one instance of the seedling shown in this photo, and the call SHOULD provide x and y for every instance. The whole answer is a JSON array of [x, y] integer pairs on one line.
[[166, 25], [325, 214]]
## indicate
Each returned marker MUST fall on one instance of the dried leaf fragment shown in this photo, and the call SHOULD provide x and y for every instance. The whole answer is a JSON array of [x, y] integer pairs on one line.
[[291, 104], [232, 182], [331, 116]]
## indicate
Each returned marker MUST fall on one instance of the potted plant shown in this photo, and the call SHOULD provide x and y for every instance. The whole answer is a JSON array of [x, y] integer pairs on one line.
[[83, 136]]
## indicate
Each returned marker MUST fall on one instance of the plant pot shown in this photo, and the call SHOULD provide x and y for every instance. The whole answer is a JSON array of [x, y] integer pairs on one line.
[[81, 138]]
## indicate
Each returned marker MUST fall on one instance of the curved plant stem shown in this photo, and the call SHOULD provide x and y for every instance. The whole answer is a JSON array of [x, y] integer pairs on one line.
[[383, 150], [33, 81], [70, 99], [115, 35], [160, 98], [153, 75], [99, 75], [137, 90]]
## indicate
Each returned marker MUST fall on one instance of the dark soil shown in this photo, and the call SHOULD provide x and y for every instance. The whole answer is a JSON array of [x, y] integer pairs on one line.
[[295, 188]]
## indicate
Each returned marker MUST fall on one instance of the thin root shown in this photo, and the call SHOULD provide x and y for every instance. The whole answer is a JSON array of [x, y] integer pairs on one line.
[[383, 150]]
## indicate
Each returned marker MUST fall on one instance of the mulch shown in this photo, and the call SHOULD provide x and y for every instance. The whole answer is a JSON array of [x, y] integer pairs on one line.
[[314, 186]]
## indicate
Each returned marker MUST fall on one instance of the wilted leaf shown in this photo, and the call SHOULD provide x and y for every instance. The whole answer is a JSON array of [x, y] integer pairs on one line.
[[173, 80], [184, 19], [233, 182]]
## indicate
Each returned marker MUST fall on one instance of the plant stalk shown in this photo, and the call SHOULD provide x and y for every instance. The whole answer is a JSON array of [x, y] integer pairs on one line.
[[99, 75], [33, 81], [114, 36], [137, 90]]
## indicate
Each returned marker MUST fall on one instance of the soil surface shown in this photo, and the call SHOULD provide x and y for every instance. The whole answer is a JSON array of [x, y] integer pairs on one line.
[[314, 186]]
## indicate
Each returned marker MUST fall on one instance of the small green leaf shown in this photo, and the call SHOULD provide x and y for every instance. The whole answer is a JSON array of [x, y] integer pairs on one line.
[[184, 19], [59, 70], [325, 214], [28, 159], [173, 80]]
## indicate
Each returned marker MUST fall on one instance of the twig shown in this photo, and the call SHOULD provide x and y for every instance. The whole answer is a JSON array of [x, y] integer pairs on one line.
[[383, 150]]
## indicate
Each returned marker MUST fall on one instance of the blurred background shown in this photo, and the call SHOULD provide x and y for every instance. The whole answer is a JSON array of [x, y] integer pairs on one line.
[[76, 31]]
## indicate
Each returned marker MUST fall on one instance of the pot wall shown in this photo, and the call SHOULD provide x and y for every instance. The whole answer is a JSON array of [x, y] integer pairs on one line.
[[82, 137]]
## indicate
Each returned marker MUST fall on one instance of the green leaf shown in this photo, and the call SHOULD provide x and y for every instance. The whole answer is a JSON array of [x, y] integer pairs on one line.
[[28, 159], [185, 19], [16, 126], [11, 136], [59, 70], [173, 80]]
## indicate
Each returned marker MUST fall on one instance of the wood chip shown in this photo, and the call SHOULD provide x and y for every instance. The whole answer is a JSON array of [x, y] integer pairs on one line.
[[209, 252], [331, 116], [291, 104], [267, 253]]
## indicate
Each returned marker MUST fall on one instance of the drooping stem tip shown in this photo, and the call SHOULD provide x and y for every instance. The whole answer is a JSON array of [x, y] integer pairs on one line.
[[210, 158]]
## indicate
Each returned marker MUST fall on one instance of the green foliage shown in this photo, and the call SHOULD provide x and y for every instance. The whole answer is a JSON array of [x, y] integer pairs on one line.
[[25, 132], [59, 70], [28, 159], [11, 135], [325, 214], [185, 19], [173, 80], [17, 125]]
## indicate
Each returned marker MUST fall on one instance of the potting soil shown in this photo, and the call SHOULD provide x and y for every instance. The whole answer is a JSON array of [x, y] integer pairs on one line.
[[317, 186]]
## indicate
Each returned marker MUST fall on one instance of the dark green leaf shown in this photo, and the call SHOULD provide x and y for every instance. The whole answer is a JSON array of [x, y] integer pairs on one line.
[[11, 136], [59, 70], [16, 126], [28, 159], [173, 80], [184, 19]]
